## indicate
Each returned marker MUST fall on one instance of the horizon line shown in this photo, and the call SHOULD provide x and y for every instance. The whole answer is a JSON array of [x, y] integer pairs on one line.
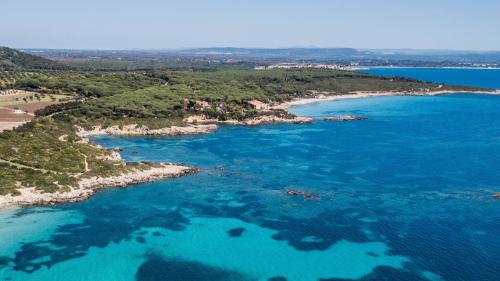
[[249, 48]]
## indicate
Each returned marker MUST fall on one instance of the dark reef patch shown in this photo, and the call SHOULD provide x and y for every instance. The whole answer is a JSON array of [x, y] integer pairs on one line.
[[113, 222], [102, 225], [157, 268], [328, 227], [384, 273], [4, 261], [277, 278], [236, 232]]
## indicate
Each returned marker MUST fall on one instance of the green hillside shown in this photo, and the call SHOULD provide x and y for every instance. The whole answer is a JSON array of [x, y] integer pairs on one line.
[[12, 59]]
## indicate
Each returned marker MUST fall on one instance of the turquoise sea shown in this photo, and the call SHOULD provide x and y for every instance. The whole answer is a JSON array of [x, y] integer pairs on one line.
[[404, 195]]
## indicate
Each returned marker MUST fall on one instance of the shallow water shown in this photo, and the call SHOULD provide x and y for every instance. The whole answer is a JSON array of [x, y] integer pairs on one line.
[[405, 195]]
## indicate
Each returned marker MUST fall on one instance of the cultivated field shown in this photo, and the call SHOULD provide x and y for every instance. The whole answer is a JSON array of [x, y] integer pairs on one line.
[[18, 107]]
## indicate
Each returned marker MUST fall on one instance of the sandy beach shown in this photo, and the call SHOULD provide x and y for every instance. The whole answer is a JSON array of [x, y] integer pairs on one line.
[[357, 95]]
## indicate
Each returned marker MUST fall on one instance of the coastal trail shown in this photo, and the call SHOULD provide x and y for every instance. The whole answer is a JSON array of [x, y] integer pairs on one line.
[[27, 167]]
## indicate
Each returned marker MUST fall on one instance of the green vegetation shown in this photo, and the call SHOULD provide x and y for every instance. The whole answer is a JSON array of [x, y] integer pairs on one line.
[[11, 59], [8, 78], [87, 84], [47, 153], [232, 89], [141, 64]]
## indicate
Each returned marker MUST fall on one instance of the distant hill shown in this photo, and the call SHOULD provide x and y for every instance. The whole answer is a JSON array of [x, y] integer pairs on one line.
[[12, 59], [351, 54], [368, 57]]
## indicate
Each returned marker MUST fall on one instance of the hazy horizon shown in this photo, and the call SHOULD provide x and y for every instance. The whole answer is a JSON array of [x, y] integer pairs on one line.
[[259, 48], [188, 24]]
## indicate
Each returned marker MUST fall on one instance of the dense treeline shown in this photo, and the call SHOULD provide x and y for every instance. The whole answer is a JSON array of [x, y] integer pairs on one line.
[[104, 65], [58, 107], [91, 84]]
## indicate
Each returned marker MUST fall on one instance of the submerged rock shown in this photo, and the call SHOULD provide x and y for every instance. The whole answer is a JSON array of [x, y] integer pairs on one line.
[[344, 118], [304, 194]]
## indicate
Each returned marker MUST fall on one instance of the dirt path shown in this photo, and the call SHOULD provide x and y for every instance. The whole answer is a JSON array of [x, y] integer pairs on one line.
[[85, 162], [26, 167]]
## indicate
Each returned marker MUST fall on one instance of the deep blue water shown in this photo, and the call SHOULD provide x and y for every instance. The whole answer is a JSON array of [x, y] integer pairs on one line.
[[489, 78], [404, 195]]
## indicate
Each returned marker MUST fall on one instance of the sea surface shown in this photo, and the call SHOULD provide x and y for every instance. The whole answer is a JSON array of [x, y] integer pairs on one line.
[[404, 195], [488, 78]]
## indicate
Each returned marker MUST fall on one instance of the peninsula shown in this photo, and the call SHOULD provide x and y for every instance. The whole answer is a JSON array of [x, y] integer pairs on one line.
[[46, 156]]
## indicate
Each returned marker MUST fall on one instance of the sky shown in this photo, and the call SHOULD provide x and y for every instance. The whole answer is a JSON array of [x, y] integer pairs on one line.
[[174, 24]]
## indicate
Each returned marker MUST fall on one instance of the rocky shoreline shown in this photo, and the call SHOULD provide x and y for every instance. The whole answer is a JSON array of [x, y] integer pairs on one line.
[[197, 124], [88, 186], [260, 120], [271, 119], [137, 130]]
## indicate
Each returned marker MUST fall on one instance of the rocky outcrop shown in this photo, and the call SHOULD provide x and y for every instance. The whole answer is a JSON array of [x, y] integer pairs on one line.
[[270, 119], [88, 186], [137, 176], [32, 196], [112, 156], [263, 119], [301, 193], [344, 118], [136, 130]]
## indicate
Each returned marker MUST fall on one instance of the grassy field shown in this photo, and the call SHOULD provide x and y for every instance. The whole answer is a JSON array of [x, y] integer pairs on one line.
[[20, 99]]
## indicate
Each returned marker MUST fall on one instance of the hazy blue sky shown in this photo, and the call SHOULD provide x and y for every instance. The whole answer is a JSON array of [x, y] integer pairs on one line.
[[122, 24]]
